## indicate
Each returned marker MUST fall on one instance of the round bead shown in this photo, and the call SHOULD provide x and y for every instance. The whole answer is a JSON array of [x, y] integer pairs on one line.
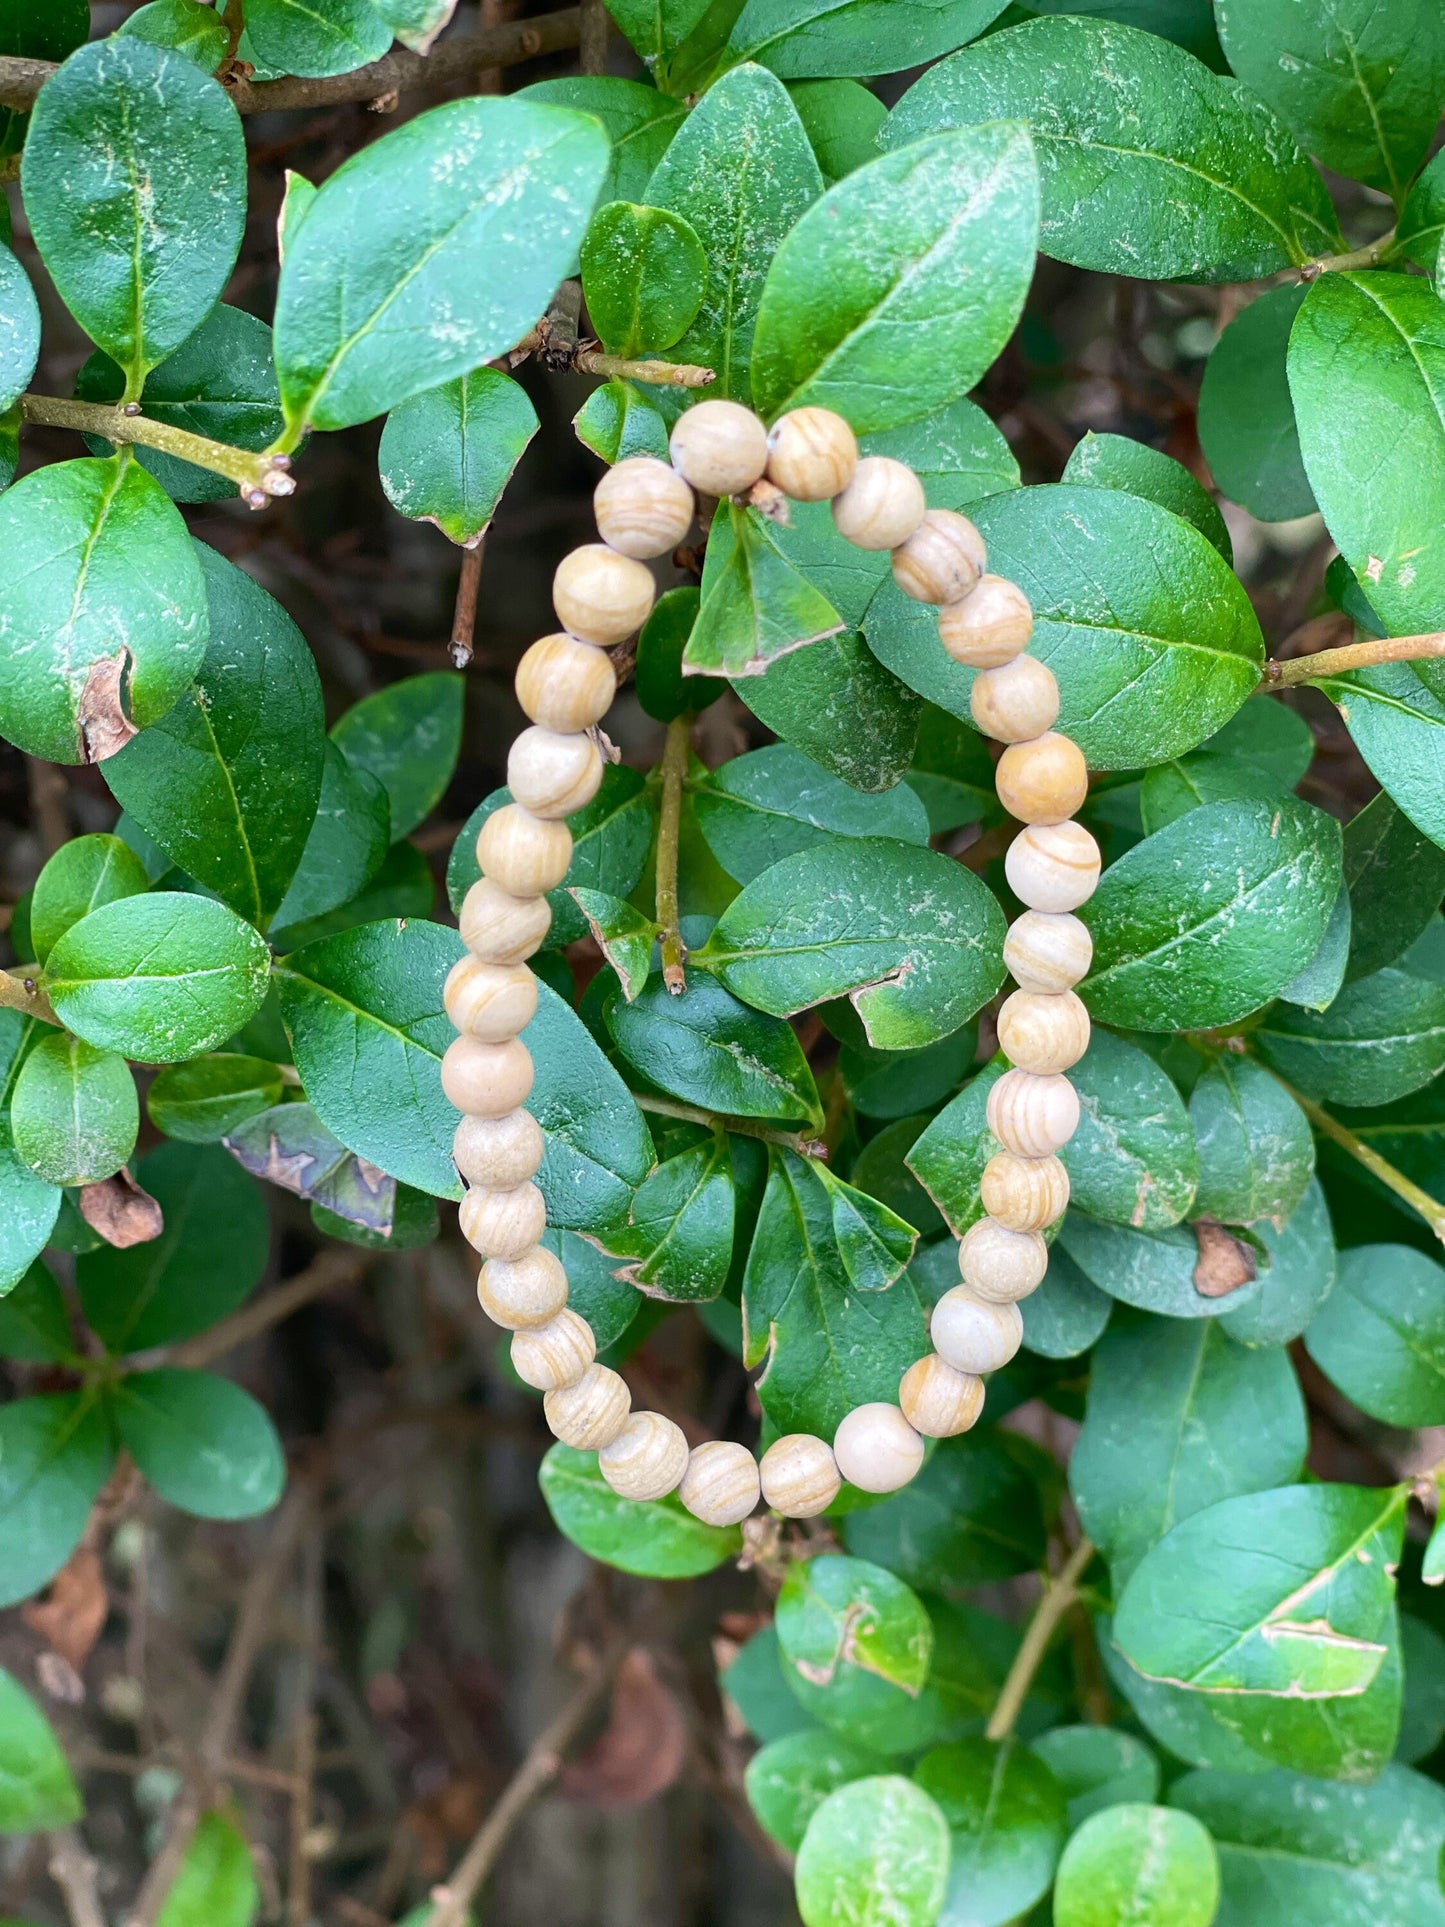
[[942, 559], [799, 1475], [1042, 1032], [500, 928], [601, 596], [564, 684], [989, 627], [643, 507], [720, 1485], [1033, 1116], [484, 1080], [881, 506], [647, 1458], [499, 1151], [877, 1449], [1043, 781], [1053, 866], [973, 1336], [938, 1401], [1018, 700], [490, 1001], [1024, 1194], [720, 447], [553, 775], [1048, 952], [524, 855], [552, 1356], [589, 1414], [812, 454], [522, 1294], [1001, 1266], [503, 1224]]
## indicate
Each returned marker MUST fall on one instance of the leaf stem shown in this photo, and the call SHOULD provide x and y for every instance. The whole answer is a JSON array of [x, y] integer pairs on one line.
[[675, 754], [258, 477], [805, 1147], [21, 991], [1430, 1209], [1059, 1595], [1369, 256], [1353, 655], [662, 374]]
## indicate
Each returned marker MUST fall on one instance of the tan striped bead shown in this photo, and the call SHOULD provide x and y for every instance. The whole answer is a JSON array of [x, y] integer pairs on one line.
[[552, 1356], [942, 560], [799, 1475], [938, 1401], [1053, 866], [524, 855], [1024, 1194], [489, 1001], [647, 1458], [1032, 1116], [1043, 1032], [553, 775], [1048, 952], [499, 1151], [812, 454], [975, 1336], [564, 684], [503, 1224], [1015, 702], [591, 1413], [876, 1448], [721, 1484], [999, 1265], [500, 928], [600, 596], [643, 507], [520, 1294], [990, 626], [1042, 781]]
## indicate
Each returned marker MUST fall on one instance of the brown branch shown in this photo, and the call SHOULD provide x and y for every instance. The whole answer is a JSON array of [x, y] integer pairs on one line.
[[806, 1147], [1353, 655], [592, 37], [324, 1274], [298, 1886], [49, 802], [676, 751], [257, 477], [662, 374], [1369, 256], [21, 991], [1059, 1595], [73, 1870], [464, 615]]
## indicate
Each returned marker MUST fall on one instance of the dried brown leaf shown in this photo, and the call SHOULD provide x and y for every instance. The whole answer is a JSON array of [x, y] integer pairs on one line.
[[121, 1212]]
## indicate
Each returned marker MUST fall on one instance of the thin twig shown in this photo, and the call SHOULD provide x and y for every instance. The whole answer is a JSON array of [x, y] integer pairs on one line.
[[675, 754], [592, 37], [806, 1147], [257, 477], [1059, 1595], [662, 374], [21, 991], [1353, 655], [1420, 1201], [330, 1270], [1369, 256], [313, 1573], [464, 615], [49, 802], [73, 1870]]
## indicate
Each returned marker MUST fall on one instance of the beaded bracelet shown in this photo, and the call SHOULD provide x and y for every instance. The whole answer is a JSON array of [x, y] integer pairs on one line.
[[565, 683]]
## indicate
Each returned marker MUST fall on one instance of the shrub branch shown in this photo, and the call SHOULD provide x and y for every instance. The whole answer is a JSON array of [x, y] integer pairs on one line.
[[1420, 1201], [1353, 655], [20, 991], [258, 477], [1059, 1595], [669, 836]]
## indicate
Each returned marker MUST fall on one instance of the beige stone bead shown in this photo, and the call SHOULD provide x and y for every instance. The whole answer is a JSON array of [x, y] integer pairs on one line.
[[877, 1449], [553, 1356], [938, 1401], [484, 1080], [989, 627], [720, 447], [881, 506], [974, 1336], [643, 507], [647, 1458], [942, 560], [1016, 701], [490, 1001], [1043, 781], [564, 684], [1033, 1116], [523, 1294], [799, 1475], [589, 1414], [525, 855], [553, 775], [600, 596], [1001, 1266], [1024, 1194], [1049, 952], [721, 1484], [500, 928], [499, 1151], [503, 1224], [1043, 1031], [812, 454], [1053, 866]]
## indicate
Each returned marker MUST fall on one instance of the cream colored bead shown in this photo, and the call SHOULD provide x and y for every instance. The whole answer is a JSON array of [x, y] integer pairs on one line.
[[1024, 1194], [881, 506], [942, 559], [525, 855], [600, 596], [1048, 952], [499, 1151], [553, 775], [490, 1001], [877, 1449], [643, 507], [589, 1414], [973, 1336], [503, 1224], [647, 1458], [1001, 1266], [500, 928], [1053, 866], [1033, 1116], [720, 1485], [564, 684], [812, 454], [1043, 1032], [938, 1401], [989, 627], [799, 1475], [1018, 700], [1043, 781], [523, 1294], [484, 1080], [553, 1356], [720, 447]]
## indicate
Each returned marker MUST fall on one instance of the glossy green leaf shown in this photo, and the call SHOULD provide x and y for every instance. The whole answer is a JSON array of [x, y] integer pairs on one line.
[[769, 804], [1173, 789], [216, 1884], [709, 1049], [447, 453], [1132, 1160], [1300, 1277], [407, 736], [956, 452], [28, 1210], [1381, 1038], [855, 1645], [841, 119], [1398, 726], [1380, 1335], [1256, 1154], [1396, 878], [656, 1539], [617, 420], [345, 846], [83, 874], [643, 276], [34, 33], [1114, 461], [948, 1157], [1247, 425], [1064, 1317], [1143, 1865], [55, 1455], [837, 703], [788, 1780], [203, 1443], [1097, 1767], [201, 1101], [36, 1788], [971, 1517], [800, 38], [416, 23], [902, 1084], [1422, 218], [623, 935], [875, 1851], [681, 1236], [1271, 737], [1005, 1814], [1317, 985], [1156, 1271], [640, 122], [34, 1323], [662, 689], [952, 773], [315, 37], [19, 329], [754, 1685], [74, 1113], [192, 29], [756, 606], [657, 27]]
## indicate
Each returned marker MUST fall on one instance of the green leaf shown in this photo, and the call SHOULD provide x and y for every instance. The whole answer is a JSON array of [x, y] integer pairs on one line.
[[19, 329], [617, 420], [952, 774], [1247, 425], [1210, 917], [55, 1455], [956, 452], [1380, 1335], [855, 1645], [315, 37], [1132, 1160], [762, 807], [788, 1779], [93, 646], [753, 1682], [1301, 1275], [643, 276], [1396, 878], [1422, 218], [1144, 1865], [891, 297], [948, 1157], [290, 1146], [190, 28], [1381, 1038], [662, 689], [1098, 1767], [346, 845], [837, 703], [1064, 1317], [875, 1852], [74, 1114], [1397, 723], [159, 977], [657, 1539], [403, 889], [1422, 1726], [1005, 1814], [657, 27], [756, 606], [1172, 790], [48, 33], [415, 1221], [639, 121], [901, 1084], [1270, 736], [416, 23], [842, 120], [379, 296], [202, 1101], [134, 177], [34, 1324], [708, 1049], [36, 1788], [83, 874], [623, 935], [216, 1885], [801, 38], [1114, 461], [1152, 1270], [28, 1210], [681, 1237], [407, 736], [971, 1517], [742, 173], [912, 938], [1256, 1153], [595, 1292], [1150, 164], [1318, 984], [447, 453], [204, 1444]]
